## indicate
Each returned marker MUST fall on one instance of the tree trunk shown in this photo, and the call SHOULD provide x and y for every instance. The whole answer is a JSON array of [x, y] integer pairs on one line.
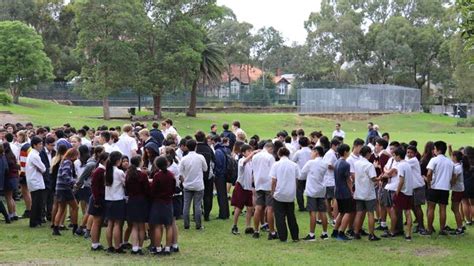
[[105, 107], [157, 106], [15, 92], [192, 104]]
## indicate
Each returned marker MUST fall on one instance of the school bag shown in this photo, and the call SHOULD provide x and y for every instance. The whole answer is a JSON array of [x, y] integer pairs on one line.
[[232, 168]]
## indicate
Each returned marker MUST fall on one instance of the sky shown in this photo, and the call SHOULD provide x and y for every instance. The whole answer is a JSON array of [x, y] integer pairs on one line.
[[287, 16]]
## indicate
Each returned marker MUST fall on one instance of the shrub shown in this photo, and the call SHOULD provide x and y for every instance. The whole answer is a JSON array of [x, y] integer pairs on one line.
[[5, 99], [466, 122]]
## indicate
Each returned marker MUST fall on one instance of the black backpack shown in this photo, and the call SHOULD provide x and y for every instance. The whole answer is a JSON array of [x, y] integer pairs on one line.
[[231, 168]]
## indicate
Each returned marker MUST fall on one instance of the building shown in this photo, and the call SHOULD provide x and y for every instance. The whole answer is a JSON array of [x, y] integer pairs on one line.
[[234, 81], [284, 83]]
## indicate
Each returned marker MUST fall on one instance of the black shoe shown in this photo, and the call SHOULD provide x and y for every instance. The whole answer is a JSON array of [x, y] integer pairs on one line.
[[56, 231], [15, 218], [80, 231], [272, 236], [256, 235], [110, 250], [443, 233], [324, 236], [249, 231], [8, 220], [26, 214], [152, 249], [200, 228], [235, 230], [264, 228], [363, 233], [120, 250], [63, 228], [319, 222], [186, 227], [206, 218], [373, 238], [98, 248], [408, 238], [175, 249], [387, 234], [457, 232], [126, 246], [425, 233], [334, 234], [343, 237], [449, 229], [309, 238], [356, 236], [381, 228], [165, 253], [469, 223], [302, 209], [70, 226], [138, 252], [350, 233]]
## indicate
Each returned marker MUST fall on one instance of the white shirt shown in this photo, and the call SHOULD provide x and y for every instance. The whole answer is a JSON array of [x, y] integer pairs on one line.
[[302, 156], [418, 180], [117, 190], [392, 183], [285, 172], [262, 163], [351, 160], [330, 159], [291, 149], [404, 169], [459, 186], [78, 168], [313, 171], [109, 148], [85, 141], [179, 153], [244, 174], [191, 168], [127, 145], [339, 133], [34, 170], [364, 186], [295, 144], [442, 168], [174, 168]]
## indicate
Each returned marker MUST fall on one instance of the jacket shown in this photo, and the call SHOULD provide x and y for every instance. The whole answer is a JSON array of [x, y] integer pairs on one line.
[[208, 153], [220, 167]]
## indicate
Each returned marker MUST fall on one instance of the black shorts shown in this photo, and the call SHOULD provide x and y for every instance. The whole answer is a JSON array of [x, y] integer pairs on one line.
[[64, 195], [316, 204], [83, 194], [437, 196], [366, 205], [22, 180], [11, 184], [330, 192], [346, 205], [178, 206]]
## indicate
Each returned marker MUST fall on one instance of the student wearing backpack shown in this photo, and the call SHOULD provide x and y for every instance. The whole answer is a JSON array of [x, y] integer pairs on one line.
[[220, 179]]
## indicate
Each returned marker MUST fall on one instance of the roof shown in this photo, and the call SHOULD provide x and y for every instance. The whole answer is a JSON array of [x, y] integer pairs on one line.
[[243, 73], [288, 78]]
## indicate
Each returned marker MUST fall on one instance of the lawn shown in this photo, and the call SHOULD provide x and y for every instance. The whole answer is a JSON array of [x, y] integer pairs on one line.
[[402, 127]]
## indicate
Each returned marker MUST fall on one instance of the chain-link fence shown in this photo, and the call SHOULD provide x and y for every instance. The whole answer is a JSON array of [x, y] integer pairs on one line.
[[358, 99]]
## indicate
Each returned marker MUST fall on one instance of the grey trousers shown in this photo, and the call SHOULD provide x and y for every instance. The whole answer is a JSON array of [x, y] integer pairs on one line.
[[196, 197]]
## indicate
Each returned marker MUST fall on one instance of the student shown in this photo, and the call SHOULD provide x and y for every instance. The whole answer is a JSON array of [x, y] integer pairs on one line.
[[226, 133], [137, 189], [173, 167], [457, 187], [343, 193], [34, 178], [161, 213], [242, 194], [365, 177], [156, 133], [354, 157], [403, 197], [440, 172], [64, 194], [300, 158], [284, 173], [191, 169], [468, 174], [97, 201], [220, 180], [330, 159], [338, 132], [419, 195], [82, 193], [115, 208], [11, 181], [24, 149], [262, 163], [47, 155], [127, 143], [203, 148], [3, 174], [314, 171]]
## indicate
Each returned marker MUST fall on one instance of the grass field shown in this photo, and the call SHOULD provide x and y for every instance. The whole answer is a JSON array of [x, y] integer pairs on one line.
[[216, 245], [402, 127]]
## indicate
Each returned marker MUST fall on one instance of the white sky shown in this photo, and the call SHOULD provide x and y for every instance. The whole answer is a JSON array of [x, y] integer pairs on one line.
[[284, 15]]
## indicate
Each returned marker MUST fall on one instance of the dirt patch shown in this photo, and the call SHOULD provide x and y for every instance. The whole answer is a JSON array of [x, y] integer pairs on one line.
[[431, 252], [347, 116], [11, 118]]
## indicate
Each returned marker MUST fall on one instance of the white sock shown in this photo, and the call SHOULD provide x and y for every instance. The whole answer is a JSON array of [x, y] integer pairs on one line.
[[95, 245], [383, 224], [167, 249], [325, 233], [11, 215], [175, 245], [135, 248], [158, 249], [311, 234]]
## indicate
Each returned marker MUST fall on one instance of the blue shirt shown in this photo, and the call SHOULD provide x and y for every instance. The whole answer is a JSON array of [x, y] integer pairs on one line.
[[342, 172]]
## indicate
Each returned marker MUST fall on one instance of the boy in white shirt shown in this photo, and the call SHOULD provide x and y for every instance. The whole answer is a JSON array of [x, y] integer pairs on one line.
[[457, 187], [314, 171], [300, 158], [329, 182], [242, 194], [338, 132], [419, 197], [440, 173], [365, 177], [284, 173]]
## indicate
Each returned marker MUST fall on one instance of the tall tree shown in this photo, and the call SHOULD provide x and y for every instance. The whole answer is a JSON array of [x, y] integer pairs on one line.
[[23, 62], [107, 32]]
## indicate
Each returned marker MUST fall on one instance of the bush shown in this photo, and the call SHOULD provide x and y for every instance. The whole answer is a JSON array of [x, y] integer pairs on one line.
[[5, 99], [466, 122]]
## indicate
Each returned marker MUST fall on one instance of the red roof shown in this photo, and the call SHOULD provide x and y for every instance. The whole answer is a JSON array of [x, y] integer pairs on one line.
[[244, 73]]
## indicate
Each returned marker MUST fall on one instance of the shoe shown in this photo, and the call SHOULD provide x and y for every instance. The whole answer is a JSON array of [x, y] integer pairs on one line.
[[56, 231], [87, 234], [301, 209], [381, 228], [443, 232], [186, 227], [425, 233], [16, 218], [333, 223], [264, 228], [110, 250], [319, 222], [77, 232], [63, 228], [26, 214], [35, 225], [363, 232], [120, 250], [334, 234], [200, 228], [296, 240], [408, 238], [400, 233], [272, 236], [469, 223], [449, 229], [457, 232], [152, 249], [249, 231], [8, 220], [324, 236], [206, 218], [343, 237], [98, 248], [350, 233], [387, 234], [235, 230], [357, 236], [256, 235], [373, 238], [309, 238], [70, 226], [165, 253], [175, 249], [138, 252], [126, 246]]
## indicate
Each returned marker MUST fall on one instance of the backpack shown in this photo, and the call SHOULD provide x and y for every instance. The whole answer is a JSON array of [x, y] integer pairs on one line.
[[231, 171]]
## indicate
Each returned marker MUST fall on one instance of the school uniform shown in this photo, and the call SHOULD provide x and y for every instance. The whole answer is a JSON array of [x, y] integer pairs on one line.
[[458, 188], [300, 158], [442, 169], [162, 191], [97, 199], [242, 194], [364, 193], [34, 170], [220, 179], [65, 182], [330, 158], [342, 193], [205, 150], [46, 158], [468, 177], [313, 171], [127, 145], [391, 185], [115, 208], [419, 189], [404, 199], [137, 189], [285, 172], [84, 192], [178, 192], [262, 163], [339, 133], [351, 160], [24, 151], [84, 179]]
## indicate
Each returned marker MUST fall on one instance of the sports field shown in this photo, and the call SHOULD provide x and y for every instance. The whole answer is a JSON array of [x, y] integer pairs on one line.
[[215, 244]]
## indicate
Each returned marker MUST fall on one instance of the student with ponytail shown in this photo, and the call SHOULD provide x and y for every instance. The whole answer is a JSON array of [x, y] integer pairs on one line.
[[114, 202], [97, 200]]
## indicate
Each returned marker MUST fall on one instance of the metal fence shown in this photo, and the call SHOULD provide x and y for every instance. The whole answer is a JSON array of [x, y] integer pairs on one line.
[[359, 99]]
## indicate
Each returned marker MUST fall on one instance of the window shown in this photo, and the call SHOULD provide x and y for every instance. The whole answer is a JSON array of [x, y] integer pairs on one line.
[[282, 88], [234, 87]]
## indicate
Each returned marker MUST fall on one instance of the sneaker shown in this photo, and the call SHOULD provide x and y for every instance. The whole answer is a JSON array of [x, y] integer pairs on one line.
[[56, 231], [350, 233], [324, 236], [408, 238], [175, 249], [152, 250], [333, 223], [343, 237], [138, 252], [425, 233], [467, 223], [319, 222], [249, 231], [63, 228], [256, 235], [457, 232], [363, 232], [373, 238], [449, 229], [110, 250], [334, 234], [272, 236], [78, 232], [309, 238], [235, 230], [357, 236], [87, 234], [387, 234], [98, 248], [120, 250], [126, 246], [165, 253], [381, 228], [264, 228], [443, 232]]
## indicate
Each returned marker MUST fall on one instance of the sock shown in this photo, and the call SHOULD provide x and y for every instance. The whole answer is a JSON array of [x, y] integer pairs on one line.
[[311, 234], [325, 233], [10, 215], [175, 245], [159, 249], [256, 231], [167, 249], [95, 245], [135, 248], [383, 224]]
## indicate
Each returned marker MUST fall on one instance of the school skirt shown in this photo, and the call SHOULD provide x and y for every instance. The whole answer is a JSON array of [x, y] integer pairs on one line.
[[115, 210], [83, 194], [161, 213], [95, 208], [177, 206], [64, 195], [11, 184], [137, 210]]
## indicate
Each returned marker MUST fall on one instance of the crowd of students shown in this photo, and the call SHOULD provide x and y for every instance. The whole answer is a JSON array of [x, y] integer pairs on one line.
[[147, 178]]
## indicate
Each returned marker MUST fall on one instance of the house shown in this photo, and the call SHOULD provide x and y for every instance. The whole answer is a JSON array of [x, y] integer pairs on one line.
[[284, 83]]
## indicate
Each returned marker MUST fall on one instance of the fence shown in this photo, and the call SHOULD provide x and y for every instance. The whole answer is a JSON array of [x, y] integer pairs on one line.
[[359, 99]]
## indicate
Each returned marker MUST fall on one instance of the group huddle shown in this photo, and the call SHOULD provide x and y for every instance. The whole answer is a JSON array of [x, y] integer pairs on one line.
[[147, 178]]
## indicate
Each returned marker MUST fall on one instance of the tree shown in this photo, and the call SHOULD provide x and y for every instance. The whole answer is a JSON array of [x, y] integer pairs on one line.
[[23, 62], [210, 70], [466, 9], [107, 32]]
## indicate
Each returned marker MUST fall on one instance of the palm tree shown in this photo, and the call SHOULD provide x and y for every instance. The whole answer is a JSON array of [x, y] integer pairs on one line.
[[210, 70]]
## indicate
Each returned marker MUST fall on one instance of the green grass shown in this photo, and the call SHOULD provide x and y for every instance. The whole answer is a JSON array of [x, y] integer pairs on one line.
[[216, 245], [402, 127]]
